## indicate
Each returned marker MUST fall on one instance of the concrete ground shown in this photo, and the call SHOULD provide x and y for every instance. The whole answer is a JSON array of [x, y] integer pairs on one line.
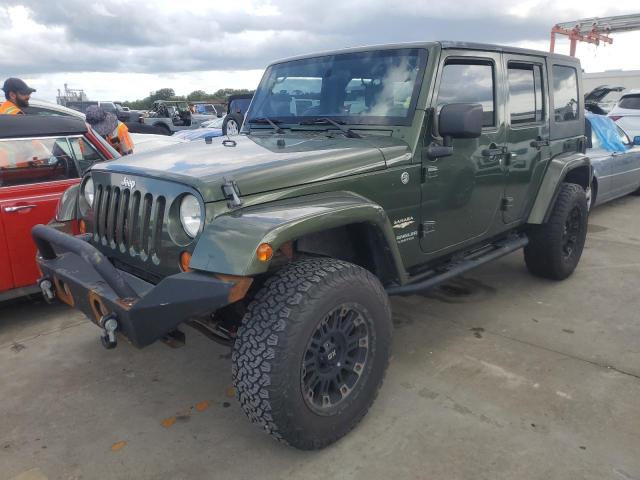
[[496, 376]]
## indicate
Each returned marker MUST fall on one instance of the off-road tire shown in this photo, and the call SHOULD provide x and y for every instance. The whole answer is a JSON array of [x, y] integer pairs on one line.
[[546, 254], [275, 334]]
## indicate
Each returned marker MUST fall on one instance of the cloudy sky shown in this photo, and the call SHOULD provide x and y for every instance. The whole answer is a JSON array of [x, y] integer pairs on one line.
[[122, 50]]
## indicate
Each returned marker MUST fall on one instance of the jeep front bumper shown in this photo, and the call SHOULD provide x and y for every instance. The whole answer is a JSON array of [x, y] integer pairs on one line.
[[81, 276]]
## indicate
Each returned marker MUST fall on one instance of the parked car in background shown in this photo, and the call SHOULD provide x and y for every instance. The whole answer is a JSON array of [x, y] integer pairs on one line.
[[626, 113], [594, 100], [615, 159], [41, 156], [111, 107], [41, 107], [206, 108], [172, 116], [236, 108]]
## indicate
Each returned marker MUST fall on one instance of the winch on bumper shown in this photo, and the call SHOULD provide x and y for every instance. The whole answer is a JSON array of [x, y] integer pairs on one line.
[[81, 276]]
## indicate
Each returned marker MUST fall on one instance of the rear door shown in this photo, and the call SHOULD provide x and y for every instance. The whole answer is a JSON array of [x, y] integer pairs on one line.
[[527, 133], [33, 175]]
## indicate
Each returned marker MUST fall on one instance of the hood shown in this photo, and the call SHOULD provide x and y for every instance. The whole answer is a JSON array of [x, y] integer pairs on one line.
[[261, 163]]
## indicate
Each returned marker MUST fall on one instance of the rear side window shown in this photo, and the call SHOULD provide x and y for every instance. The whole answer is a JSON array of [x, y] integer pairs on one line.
[[35, 160], [630, 101], [565, 93], [469, 82], [525, 93]]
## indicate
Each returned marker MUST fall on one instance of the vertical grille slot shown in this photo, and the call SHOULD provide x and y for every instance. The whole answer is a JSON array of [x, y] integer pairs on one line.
[[103, 212], [146, 220], [111, 216], [133, 226], [98, 205], [156, 226], [121, 220]]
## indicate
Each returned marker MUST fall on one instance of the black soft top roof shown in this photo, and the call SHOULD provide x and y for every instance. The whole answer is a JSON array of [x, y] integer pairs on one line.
[[18, 126]]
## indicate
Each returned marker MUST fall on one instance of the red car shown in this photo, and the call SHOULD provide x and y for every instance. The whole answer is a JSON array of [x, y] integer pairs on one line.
[[40, 157]]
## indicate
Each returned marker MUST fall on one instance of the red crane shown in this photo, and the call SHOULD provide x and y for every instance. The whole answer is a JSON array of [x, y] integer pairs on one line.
[[594, 30]]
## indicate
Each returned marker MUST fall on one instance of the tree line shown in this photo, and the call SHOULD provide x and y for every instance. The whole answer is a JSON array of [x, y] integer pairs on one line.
[[219, 96]]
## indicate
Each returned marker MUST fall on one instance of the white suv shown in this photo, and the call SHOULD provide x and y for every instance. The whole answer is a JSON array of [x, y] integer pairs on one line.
[[626, 113]]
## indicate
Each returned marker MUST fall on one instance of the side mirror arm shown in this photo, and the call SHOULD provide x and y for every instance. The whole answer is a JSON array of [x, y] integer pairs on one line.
[[435, 151]]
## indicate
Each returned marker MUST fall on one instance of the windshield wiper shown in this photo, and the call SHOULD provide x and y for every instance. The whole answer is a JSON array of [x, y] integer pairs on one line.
[[273, 123], [324, 120]]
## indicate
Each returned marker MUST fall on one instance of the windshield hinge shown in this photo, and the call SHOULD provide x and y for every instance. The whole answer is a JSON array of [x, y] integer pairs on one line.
[[231, 193]]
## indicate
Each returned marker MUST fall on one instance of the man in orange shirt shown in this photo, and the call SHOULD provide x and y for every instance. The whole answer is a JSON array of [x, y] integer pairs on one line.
[[17, 95], [108, 125]]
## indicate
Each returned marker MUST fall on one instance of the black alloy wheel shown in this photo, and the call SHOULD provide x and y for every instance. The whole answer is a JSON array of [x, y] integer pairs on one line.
[[335, 358]]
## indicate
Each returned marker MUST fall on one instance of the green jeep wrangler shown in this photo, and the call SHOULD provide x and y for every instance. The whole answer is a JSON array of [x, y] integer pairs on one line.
[[359, 174]]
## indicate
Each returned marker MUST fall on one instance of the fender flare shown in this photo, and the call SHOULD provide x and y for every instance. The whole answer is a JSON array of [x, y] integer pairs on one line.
[[558, 170], [228, 244]]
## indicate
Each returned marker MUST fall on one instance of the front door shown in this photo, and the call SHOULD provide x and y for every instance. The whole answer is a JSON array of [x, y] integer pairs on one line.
[[461, 193], [527, 150]]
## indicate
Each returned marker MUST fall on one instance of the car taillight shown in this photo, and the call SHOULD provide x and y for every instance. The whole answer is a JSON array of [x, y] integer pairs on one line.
[[615, 118]]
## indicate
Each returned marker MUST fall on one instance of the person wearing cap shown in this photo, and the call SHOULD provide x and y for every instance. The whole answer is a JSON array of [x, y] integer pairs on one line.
[[107, 125], [17, 95]]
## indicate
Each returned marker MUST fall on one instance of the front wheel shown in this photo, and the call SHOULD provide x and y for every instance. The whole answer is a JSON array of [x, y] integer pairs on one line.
[[555, 247], [312, 351]]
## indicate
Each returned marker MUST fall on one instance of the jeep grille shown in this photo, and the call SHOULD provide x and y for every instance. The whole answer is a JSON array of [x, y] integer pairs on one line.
[[129, 220]]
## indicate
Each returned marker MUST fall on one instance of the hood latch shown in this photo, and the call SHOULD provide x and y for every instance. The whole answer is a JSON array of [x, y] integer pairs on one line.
[[231, 193]]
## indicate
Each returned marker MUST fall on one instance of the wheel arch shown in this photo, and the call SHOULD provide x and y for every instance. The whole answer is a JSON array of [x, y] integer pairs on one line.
[[319, 224], [568, 167]]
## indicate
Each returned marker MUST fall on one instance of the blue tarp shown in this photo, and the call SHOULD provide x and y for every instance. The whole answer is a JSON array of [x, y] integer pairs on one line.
[[606, 131]]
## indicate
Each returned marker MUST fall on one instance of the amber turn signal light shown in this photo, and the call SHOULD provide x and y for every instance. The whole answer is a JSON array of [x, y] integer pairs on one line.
[[264, 252], [185, 260], [82, 226]]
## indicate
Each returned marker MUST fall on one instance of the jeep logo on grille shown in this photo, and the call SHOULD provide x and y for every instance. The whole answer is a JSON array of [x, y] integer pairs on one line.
[[128, 183]]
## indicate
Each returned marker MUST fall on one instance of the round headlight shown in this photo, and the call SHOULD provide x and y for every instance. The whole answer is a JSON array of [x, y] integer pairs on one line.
[[88, 191], [190, 215]]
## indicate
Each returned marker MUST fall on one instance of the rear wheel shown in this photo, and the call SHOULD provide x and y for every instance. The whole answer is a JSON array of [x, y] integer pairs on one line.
[[312, 351], [555, 247]]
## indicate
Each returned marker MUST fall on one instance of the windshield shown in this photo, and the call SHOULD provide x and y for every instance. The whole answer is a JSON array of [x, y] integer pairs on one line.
[[378, 88]]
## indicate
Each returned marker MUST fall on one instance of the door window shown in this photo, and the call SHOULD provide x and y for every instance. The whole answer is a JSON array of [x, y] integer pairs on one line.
[[85, 154], [466, 81], [35, 160], [565, 93], [525, 93]]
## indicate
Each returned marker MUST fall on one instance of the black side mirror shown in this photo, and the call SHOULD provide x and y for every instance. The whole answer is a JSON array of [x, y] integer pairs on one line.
[[456, 120], [460, 120]]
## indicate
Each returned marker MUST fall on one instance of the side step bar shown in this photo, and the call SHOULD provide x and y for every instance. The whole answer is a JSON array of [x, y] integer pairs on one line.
[[475, 259]]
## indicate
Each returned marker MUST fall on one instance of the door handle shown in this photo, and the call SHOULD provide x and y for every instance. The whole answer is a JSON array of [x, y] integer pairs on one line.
[[17, 208], [539, 143]]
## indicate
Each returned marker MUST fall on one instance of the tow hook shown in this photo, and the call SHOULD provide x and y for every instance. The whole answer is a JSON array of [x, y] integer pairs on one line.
[[109, 324], [47, 289]]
